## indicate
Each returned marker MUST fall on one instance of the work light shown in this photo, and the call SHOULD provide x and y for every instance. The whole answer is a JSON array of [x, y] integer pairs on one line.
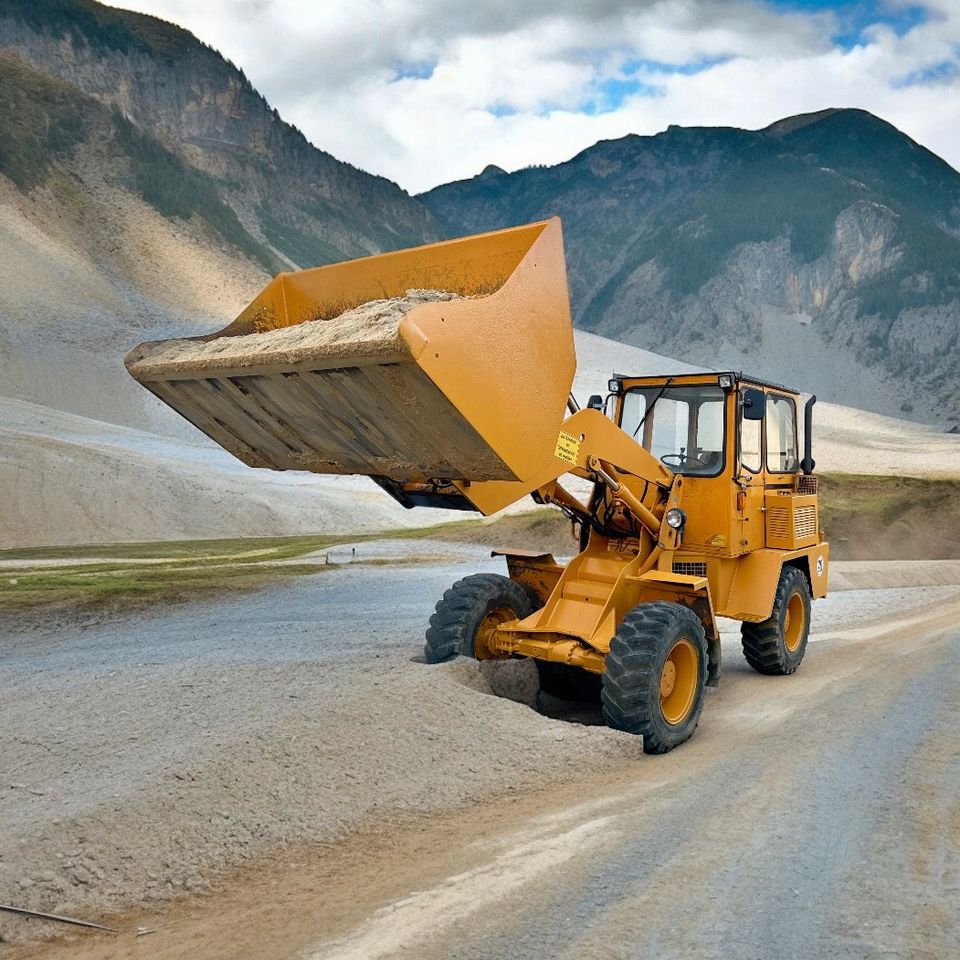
[[675, 518]]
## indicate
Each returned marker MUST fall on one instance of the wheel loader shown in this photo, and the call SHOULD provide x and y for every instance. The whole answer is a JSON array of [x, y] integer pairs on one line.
[[696, 504]]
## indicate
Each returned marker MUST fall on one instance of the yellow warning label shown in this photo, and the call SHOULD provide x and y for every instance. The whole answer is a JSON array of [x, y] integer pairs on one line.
[[717, 540], [568, 448]]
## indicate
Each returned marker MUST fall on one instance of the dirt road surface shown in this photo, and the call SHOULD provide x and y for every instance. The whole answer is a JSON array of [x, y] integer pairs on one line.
[[273, 777]]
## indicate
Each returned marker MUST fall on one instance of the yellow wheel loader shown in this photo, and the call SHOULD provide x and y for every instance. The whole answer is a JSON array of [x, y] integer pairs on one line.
[[444, 373]]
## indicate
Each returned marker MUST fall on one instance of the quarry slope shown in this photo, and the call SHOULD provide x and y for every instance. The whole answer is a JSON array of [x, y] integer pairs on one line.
[[72, 479], [69, 479]]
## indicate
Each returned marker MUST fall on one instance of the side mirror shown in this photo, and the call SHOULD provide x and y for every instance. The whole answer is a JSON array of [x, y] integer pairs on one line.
[[754, 404], [595, 403]]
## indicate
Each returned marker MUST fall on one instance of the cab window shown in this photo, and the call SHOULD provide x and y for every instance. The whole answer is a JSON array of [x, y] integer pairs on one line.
[[681, 425], [751, 434], [781, 434]]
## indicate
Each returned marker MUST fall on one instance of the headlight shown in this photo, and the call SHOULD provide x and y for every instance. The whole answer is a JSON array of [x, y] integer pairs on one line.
[[675, 518], [613, 386], [725, 380]]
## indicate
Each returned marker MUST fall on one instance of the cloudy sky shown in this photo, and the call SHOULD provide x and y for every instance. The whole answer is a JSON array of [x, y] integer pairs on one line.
[[426, 91]]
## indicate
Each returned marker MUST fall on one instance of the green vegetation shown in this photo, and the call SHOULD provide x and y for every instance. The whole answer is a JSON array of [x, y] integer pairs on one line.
[[82, 586], [249, 549], [176, 189], [43, 120], [863, 517], [123, 574], [40, 120], [891, 518], [169, 570], [302, 248], [103, 28], [928, 274], [764, 197], [100, 26]]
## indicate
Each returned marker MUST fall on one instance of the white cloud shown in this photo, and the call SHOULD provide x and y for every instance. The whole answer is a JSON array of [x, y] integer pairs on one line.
[[430, 91]]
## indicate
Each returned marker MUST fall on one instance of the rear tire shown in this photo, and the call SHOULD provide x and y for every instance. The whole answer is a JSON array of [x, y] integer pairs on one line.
[[776, 646], [655, 674], [469, 611]]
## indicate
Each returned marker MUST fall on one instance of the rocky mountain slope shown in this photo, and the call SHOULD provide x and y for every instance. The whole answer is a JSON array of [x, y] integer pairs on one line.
[[822, 251], [147, 190], [194, 138]]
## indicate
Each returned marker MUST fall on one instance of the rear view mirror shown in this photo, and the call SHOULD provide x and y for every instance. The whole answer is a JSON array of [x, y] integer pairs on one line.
[[754, 404], [595, 403]]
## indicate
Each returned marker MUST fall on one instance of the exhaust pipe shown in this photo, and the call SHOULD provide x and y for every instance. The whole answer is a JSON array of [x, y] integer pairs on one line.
[[808, 463]]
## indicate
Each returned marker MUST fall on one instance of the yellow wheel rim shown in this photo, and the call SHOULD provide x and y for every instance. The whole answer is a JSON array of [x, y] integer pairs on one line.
[[484, 641], [678, 682], [793, 622]]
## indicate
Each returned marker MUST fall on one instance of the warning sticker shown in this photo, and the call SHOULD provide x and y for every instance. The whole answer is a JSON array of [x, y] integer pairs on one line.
[[717, 540], [568, 448]]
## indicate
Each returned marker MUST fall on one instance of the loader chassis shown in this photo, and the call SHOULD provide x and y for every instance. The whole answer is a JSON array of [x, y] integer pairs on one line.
[[461, 399], [744, 523]]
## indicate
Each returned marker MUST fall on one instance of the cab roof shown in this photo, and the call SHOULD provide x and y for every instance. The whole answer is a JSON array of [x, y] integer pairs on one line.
[[738, 376]]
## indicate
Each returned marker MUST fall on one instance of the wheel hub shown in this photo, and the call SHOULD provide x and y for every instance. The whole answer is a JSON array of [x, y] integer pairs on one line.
[[678, 682], [668, 679], [793, 622], [484, 641]]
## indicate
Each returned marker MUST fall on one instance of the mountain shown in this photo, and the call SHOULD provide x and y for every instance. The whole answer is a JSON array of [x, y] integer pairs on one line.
[[147, 190], [195, 138], [822, 251]]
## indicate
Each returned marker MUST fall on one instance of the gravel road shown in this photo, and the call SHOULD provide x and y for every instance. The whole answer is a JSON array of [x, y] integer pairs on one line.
[[282, 753]]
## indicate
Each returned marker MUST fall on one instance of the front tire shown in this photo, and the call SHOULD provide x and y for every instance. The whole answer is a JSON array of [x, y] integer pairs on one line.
[[776, 646], [655, 674], [469, 613]]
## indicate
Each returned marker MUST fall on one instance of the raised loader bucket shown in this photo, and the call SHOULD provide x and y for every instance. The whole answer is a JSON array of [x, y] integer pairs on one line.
[[463, 376]]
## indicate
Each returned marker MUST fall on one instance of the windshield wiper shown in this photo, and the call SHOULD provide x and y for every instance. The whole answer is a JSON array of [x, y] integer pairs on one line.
[[643, 420]]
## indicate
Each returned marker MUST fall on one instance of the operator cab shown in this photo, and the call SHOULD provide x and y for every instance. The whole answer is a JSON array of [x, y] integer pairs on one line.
[[706, 425]]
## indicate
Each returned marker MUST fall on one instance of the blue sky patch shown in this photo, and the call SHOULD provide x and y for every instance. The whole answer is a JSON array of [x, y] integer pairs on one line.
[[609, 94], [420, 70], [942, 72], [856, 16], [638, 78], [640, 65]]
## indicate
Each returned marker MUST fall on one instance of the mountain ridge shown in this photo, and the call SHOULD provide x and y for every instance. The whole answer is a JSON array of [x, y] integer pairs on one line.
[[146, 191], [695, 241]]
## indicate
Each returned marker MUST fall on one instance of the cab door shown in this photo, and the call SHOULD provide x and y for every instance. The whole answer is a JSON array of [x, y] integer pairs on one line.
[[749, 479]]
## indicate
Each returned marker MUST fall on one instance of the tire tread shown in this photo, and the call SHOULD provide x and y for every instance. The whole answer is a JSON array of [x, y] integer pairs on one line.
[[763, 644], [631, 680], [463, 606]]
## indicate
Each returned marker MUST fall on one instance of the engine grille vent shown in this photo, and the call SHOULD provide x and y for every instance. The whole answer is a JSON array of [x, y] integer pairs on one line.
[[791, 521], [778, 522], [804, 522], [807, 483], [691, 568]]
